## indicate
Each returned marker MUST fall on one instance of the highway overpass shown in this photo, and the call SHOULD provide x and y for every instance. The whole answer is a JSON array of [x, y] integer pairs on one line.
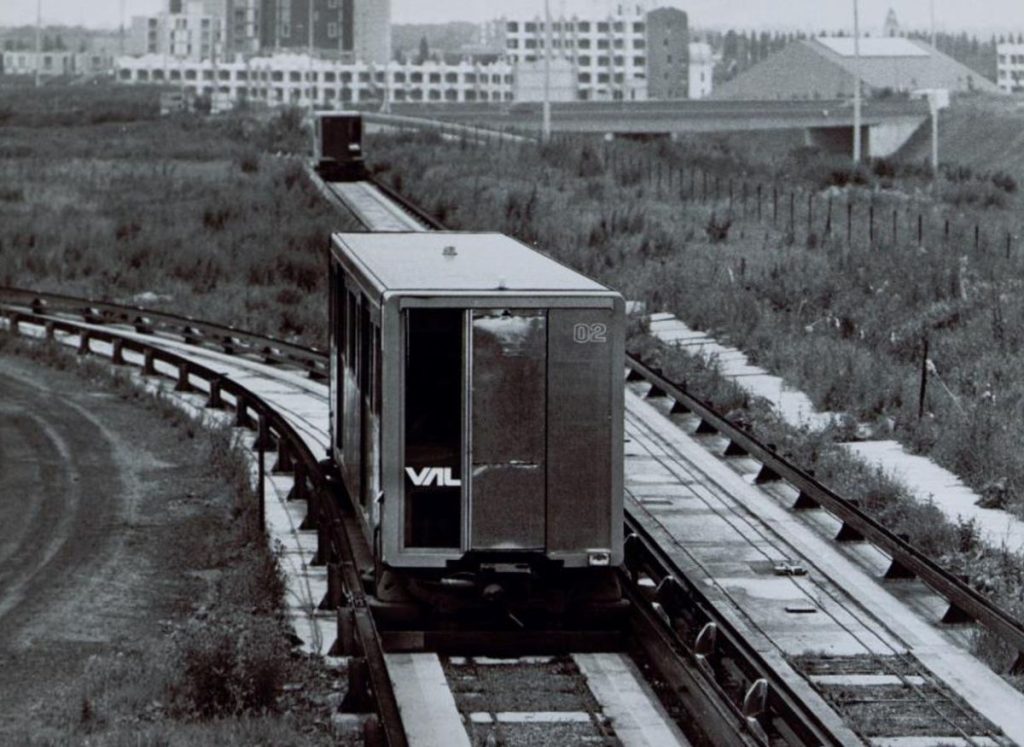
[[887, 124]]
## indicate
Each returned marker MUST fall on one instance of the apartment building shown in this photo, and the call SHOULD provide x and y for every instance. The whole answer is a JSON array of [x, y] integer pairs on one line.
[[668, 54], [56, 63], [303, 81], [609, 54], [185, 29], [631, 55], [1010, 68], [350, 30]]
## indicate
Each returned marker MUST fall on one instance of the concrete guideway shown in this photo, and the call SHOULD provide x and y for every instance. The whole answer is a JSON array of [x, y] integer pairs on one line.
[[727, 530]]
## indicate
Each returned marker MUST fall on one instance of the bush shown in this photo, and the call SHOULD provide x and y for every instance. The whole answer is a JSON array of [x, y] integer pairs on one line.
[[1005, 182]]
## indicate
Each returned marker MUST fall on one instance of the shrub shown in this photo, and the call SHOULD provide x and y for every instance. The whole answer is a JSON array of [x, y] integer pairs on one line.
[[717, 229], [1005, 182], [228, 665]]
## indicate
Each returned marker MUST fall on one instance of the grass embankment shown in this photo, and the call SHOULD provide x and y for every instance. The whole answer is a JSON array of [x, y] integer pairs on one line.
[[184, 213], [222, 669]]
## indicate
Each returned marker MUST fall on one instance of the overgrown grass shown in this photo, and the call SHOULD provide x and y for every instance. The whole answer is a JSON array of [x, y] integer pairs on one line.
[[218, 674]]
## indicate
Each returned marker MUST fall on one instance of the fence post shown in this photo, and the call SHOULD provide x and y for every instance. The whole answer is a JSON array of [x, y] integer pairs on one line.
[[924, 379], [759, 202], [1009, 238], [849, 221], [730, 196], [810, 212], [704, 190], [977, 234], [871, 224], [775, 204], [895, 235], [828, 219], [920, 229], [792, 211]]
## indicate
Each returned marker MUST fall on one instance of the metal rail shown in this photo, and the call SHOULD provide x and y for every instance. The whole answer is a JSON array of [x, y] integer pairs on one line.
[[965, 603], [328, 512]]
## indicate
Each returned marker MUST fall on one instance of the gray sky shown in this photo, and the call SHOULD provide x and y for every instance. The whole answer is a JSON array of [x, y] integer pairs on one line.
[[802, 14]]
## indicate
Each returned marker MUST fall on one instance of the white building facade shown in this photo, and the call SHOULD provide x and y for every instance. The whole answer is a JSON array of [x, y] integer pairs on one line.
[[303, 81], [702, 70], [187, 31], [57, 63], [1010, 68], [609, 54]]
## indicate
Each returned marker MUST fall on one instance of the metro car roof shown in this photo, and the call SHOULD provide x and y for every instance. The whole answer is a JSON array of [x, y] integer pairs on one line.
[[452, 261]]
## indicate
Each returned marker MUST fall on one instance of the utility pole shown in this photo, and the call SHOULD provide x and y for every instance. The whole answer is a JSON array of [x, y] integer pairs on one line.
[[546, 131], [934, 101], [121, 41], [309, 76], [856, 85], [39, 39]]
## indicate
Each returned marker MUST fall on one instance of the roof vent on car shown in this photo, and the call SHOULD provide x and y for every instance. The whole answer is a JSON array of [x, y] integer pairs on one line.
[[449, 251]]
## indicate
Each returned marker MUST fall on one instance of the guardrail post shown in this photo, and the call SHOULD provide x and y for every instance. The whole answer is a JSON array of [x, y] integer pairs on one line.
[[357, 699], [117, 355], [143, 325], [734, 450], [38, 306], [335, 588], [1017, 669], [298, 491], [955, 615], [148, 367], [215, 401], [678, 408], [767, 474], [12, 322], [898, 571], [634, 375], [191, 335], [264, 438], [847, 533], [242, 419], [312, 518], [83, 343], [705, 428], [183, 384], [49, 328], [285, 463], [345, 643], [655, 392], [804, 502]]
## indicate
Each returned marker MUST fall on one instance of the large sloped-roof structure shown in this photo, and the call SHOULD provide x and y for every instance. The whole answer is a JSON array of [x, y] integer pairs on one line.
[[824, 68]]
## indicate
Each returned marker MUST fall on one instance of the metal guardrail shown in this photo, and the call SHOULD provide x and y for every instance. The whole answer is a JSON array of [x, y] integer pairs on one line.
[[227, 338], [332, 517], [756, 694], [965, 603]]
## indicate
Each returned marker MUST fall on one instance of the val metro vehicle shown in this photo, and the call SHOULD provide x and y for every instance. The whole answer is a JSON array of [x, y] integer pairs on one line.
[[476, 421], [338, 146]]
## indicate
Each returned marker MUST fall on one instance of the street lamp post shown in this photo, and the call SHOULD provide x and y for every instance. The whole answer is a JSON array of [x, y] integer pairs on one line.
[[856, 85], [934, 107], [546, 131], [39, 39]]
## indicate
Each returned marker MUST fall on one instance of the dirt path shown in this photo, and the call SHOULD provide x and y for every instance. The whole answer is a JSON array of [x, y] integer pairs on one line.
[[103, 514]]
